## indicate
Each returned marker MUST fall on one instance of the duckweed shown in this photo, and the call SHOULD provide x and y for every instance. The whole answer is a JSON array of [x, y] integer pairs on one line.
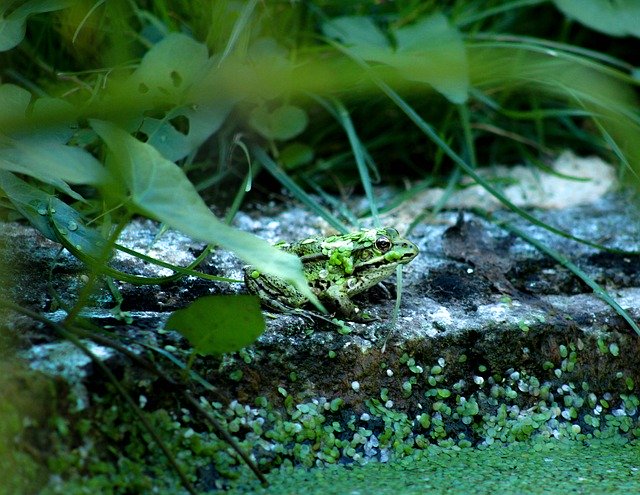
[[545, 403]]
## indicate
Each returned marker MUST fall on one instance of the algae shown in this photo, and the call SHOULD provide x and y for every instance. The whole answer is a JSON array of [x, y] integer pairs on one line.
[[595, 467]]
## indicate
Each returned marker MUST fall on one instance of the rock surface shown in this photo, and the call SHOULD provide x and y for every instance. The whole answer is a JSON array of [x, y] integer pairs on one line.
[[486, 319], [478, 304]]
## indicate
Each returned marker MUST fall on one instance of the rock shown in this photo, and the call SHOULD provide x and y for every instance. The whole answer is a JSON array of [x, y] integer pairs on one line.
[[494, 341]]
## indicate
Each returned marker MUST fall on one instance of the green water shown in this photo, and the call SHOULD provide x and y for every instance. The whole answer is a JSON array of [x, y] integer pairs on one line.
[[595, 467]]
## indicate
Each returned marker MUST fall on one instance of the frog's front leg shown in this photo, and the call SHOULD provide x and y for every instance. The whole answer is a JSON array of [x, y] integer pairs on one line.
[[344, 306]]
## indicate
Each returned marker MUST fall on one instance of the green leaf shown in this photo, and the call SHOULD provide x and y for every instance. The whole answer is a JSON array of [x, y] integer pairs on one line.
[[619, 18], [61, 223], [159, 189], [429, 50], [170, 67], [20, 120], [41, 209], [285, 122], [432, 51], [295, 155], [31, 202], [171, 75], [202, 121], [356, 31], [13, 27], [42, 152], [50, 162], [219, 324], [14, 101], [267, 58], [12, 32], [165, 138]]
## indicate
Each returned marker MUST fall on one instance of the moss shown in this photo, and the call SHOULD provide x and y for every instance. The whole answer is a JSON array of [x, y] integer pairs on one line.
[[28, 401]]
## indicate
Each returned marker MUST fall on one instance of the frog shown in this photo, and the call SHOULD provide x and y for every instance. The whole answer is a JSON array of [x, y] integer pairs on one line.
[[337, 267]]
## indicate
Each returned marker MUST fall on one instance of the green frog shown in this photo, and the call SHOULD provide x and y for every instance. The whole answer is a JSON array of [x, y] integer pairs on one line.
[[337, 268]]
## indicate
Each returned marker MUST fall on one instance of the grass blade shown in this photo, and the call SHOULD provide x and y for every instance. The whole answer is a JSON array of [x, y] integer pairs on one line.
[[295, 189], [431, 133], [577, 271], [360, 154]]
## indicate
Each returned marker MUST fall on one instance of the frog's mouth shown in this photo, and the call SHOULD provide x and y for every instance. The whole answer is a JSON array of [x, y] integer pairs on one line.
[[384, 261]]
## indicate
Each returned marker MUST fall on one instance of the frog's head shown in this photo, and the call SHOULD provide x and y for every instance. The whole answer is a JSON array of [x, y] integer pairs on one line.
[[383, 247], [362, 259], [374, 254]]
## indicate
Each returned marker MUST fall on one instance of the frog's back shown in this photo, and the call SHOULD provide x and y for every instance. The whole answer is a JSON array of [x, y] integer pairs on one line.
[[304, 248]]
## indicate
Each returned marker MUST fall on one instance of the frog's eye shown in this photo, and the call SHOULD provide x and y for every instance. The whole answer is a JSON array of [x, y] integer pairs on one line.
[[383, 244]]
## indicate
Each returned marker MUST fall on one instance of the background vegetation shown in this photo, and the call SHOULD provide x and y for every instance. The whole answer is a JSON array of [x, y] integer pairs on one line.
[[323, 94], [121, 108]]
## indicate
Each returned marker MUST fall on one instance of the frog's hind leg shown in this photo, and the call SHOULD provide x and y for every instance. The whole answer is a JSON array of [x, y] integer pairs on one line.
[[277, 305], [344, 306]]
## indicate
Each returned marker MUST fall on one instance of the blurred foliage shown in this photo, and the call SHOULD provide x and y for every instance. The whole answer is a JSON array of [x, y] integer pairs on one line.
[[248, 69], [122, 107]]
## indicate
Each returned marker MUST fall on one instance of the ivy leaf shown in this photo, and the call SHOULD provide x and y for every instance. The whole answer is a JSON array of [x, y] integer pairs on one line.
[[216, 325], [159, 189], [285, 122]]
